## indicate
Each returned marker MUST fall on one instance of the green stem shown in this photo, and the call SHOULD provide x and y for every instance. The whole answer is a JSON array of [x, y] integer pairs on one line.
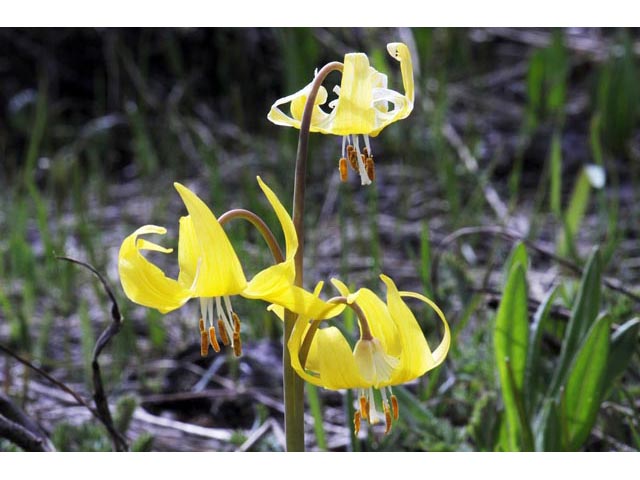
[[293, 384]]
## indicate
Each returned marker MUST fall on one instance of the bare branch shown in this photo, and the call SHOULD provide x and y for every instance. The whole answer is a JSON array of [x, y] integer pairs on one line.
[[99, 396]]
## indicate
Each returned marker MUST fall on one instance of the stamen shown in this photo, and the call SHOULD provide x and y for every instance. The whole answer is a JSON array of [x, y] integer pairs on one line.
[[236, 322], [368, 145], [237, 344], [204, 344], [351, 155], [356, 422], [344, 145], [365, 152], [343, 169], [371, 171], [371, 407], [203, 311], [364, 178], [201, 324], [364, 407], [387, 419], [223, 332], [221, 315], [213, 339], [394, 407]]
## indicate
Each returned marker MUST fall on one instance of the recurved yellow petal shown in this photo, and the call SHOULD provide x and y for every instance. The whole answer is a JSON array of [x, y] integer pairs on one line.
[[416, 358], [319, 118], [142, 281], [219, 270], [290, 236]]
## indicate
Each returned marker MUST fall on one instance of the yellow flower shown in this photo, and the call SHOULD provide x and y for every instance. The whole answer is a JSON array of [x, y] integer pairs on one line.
[[391, 350], [211, 271], [362, 107]]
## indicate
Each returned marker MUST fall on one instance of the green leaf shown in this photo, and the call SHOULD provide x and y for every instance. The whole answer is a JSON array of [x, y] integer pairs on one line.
[[624, 343], [518, 255], [575, 213], [583, 315], [547, 428], [555, 160], [585, 382], [511, 338], [534, 361]]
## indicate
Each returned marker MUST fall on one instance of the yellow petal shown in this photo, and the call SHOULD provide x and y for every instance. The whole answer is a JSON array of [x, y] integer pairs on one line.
[[295, 343], [290, 236], [219, 270], [401, 52], [296, 340], [416, 358], [440, 353], [380, 322], [319, 118], [354, 113], [188, 252], [142, 281], [337, 365]]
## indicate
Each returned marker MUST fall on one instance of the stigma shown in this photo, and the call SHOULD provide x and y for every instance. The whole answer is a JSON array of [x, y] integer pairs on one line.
[[225, 319], [361, 161]]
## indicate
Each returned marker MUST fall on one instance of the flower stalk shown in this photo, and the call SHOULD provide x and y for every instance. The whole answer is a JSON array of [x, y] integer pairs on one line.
[[293, 384]]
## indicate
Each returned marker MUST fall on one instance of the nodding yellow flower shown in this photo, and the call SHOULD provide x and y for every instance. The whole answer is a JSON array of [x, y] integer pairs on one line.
[[211, 271], [364, 107], [391, 350]]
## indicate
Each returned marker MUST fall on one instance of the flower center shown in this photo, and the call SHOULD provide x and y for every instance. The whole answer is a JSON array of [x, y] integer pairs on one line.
[[360, 161], [227, 321], [367, 408]]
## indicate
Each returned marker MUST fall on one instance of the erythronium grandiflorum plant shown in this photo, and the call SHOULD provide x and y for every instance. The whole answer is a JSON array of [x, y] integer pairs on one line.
[[211, 271], [362, 108], [391, 349]]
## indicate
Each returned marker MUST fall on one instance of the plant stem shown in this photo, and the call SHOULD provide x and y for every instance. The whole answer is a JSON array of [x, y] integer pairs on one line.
[[262, 227], [293, 384]]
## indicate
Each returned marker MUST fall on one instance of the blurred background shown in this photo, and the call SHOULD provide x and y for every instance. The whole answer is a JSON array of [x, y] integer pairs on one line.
[[516, 134]]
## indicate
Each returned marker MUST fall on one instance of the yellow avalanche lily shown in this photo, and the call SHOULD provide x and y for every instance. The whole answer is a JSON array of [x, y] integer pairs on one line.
[[391, 350], [211, 271], [362, 108]]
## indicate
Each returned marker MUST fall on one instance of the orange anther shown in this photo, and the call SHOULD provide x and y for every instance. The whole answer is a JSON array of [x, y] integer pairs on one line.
[[201, 324], [204, 344], [344, 172], [223, 333], [237, 344], [353, 159], [387, 419], [371, 171], [364, 407], [365, 151], [236, 322], [356, 422], [213, 340], [394, 407]]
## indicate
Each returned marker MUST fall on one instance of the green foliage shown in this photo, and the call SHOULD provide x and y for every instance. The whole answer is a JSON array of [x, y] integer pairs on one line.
[[511, 341], [547, 83], [559, 415]]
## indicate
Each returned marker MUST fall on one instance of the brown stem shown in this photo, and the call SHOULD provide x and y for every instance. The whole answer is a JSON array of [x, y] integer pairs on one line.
[[365, 333], [293, 384], [262, 227], [119, 442]]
